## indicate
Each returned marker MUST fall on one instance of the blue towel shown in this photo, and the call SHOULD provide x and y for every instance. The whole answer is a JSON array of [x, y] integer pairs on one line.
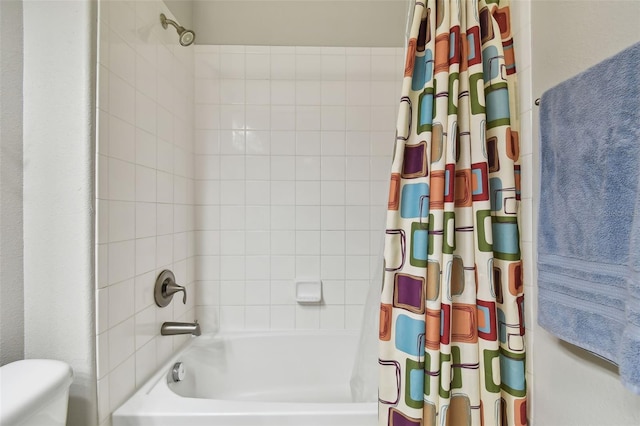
[[588, 229]]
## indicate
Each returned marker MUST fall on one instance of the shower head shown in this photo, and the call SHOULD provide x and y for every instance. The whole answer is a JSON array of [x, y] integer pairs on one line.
[[187, 37]]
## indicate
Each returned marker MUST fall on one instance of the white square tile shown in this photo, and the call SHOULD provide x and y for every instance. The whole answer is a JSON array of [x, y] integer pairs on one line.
[[283, 92], [164, 251], [307, 242], [258, 218], [283, 117], [257, 268], [258, 167], [308, 118], [207, 91], [333, 142], [232, 167], [282, 293], [283, 242], [282, 217], [332, 317], [164, 187], [332, 193], [357, 218], [145, 113], [283, 168], [307, 167], [146, 362], [257, 317], [358, 67], [121, 342], [143, 291], [333, 118], [121, 174], [232, 142], [208, 292], [206, 117], [334, 66], [258, 66], [145, 184], [258, 142], [232, 65], [258, 192], [307, 316], [356, 292], [333, 292], [232, 293], [207, 167], [122, 383], [333, 93], [232, 317], [122, 99], [283, 317], [358, 93], [283, 267], [145, 147], [358, 193], [332, 267], [207, 142], [207, 217], [307, 217], [333, 218], [232, 268], [357, 143], [145, 255], [358, 242], [146, 327], [258, 92], [232, 243], [164, 219], [333, 168], [282, 192], [283, 142], [358, 118], [307, 143], [232, 193], [257, 117], [308, 67], [232, 92], [165, 151], [308, 92], [308, 193], [207, 243], [357, 268], [283, 66], [257, 242], [121, 220], [121, 261], [332, 243], [232, 117], [121, 140]]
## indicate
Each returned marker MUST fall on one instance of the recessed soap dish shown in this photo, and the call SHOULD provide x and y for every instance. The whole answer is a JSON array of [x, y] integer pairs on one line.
[[309, 291]]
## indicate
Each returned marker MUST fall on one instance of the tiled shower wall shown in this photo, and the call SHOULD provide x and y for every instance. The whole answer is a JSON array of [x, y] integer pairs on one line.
[[293, 151], [145, 193]]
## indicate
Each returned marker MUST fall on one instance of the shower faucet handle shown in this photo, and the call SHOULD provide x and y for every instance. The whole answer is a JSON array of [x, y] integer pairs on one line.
[[173, 288], [166, 287]]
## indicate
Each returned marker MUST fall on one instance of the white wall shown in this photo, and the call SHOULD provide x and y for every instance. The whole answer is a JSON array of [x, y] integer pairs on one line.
[[59, 111], [11, 244], [570, 386], [374, 23], [144, 193], [293, 150]]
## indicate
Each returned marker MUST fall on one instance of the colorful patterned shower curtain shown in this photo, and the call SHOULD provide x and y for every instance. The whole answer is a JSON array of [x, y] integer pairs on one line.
[[452, 348]]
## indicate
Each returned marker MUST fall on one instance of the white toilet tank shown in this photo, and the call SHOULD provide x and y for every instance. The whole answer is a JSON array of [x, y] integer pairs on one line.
[[34, 392]]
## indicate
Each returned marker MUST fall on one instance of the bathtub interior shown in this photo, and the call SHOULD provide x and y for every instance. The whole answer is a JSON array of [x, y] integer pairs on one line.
[[280, 367]]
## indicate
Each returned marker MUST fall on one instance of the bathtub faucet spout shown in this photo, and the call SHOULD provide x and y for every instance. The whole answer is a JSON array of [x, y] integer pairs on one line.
[[173, 328]]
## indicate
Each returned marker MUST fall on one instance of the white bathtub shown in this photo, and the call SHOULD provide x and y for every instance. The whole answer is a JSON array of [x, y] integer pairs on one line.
[[250, 379]]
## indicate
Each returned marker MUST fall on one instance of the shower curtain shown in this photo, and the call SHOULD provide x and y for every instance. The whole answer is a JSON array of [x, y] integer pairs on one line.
[[451, 334]]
